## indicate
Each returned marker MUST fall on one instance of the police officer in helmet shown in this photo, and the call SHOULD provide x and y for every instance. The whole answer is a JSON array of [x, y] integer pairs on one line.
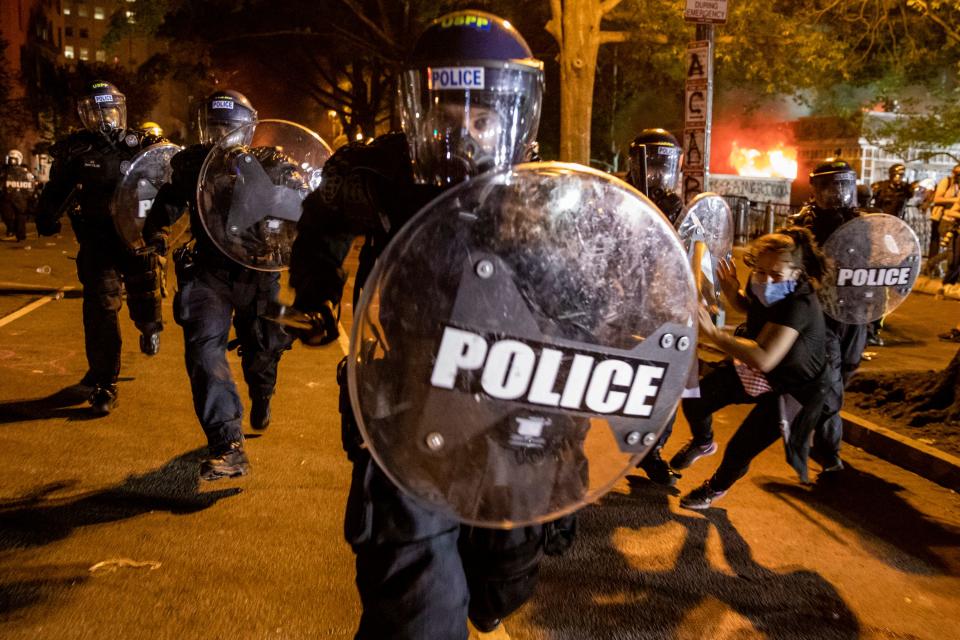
[[215, 293], [88, 165], [654, 169], [470, 102], [834, 202], [890, 196], [17, 186]]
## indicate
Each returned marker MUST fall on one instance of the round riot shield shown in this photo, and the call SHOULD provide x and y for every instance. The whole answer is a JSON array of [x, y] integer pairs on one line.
[[706, 230], [873, 262], [142, 178], [249, 196], [522, 342]]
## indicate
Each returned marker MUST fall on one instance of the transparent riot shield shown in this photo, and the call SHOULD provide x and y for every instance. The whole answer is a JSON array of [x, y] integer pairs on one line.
[[249, 196], [706, 230], [873, 262], [522, 343], [142, 178]]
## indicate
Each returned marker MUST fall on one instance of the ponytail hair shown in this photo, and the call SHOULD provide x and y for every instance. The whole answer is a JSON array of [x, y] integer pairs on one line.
[[799, 244]]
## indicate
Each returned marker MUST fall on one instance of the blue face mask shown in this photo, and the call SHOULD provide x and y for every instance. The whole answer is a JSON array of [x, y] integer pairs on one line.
[[770, 293]]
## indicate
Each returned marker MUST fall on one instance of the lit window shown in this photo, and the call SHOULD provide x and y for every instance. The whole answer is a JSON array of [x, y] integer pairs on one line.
[[82, 11], [68, 52], [131, 17], [101, 55], [84, 53], [98, 13]]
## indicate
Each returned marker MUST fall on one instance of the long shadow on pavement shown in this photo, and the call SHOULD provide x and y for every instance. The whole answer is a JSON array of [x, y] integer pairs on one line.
[[60, 404], [872, 507], [32, 520], [598, 591]]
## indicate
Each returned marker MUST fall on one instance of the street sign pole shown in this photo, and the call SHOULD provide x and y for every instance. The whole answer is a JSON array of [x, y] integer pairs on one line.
[[698, 109]]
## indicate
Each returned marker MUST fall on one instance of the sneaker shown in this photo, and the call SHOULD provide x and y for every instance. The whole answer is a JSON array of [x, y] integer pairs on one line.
[[950, 336], [230, 463], [150, 343], [702, 497], [260, 412], [486, 626], [690, 453], [658, 470], [875, 341], [103, 399]]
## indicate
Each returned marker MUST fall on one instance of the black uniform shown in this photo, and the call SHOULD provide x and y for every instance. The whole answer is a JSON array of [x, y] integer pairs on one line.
[[16, 194], [412, 582], [212, 292], [890, 197], [844, 344], [86, 170]]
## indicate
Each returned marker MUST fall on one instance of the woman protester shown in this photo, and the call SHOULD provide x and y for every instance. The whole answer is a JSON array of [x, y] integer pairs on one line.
[[778, 364]]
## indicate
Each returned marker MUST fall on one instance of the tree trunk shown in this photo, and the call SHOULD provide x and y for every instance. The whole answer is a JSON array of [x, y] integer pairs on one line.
[[578, 68], [575, 25]]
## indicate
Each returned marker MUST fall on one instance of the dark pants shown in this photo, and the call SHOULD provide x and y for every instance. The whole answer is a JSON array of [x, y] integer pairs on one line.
[[14, 216], [420, 574], [934, 248], [952, 275], [844, 343], [205, 306], [104, 264], [719, 388]]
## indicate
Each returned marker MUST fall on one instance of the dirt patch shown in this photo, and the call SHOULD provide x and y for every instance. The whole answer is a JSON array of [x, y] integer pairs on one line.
[[915, 404]]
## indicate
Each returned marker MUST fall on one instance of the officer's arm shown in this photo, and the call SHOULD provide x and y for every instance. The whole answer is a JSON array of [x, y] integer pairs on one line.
[[324, 237], [169, 205], [53, 198]]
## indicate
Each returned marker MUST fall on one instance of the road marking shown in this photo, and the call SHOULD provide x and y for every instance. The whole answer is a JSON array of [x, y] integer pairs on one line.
[[344, 340], [33, 306]]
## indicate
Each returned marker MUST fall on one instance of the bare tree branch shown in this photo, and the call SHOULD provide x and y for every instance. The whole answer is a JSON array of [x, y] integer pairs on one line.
[[555, 25], [606, 37], [607, 6]]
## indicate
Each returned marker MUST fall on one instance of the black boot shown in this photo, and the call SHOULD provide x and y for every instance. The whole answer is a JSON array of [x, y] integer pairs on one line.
[[658, 470], [103, 399], [150, 343], [260, 412]]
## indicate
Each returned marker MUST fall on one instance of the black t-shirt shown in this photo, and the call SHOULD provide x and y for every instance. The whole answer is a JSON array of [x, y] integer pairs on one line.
[[800, 370]]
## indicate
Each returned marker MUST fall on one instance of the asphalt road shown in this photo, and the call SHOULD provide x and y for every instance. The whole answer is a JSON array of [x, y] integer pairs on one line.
[[876, 554]]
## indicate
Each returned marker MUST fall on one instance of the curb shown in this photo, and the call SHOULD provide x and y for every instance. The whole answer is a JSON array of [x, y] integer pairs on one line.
[[925, 461], [933, 287]]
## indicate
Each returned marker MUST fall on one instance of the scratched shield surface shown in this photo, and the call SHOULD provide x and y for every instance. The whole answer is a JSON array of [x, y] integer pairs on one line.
[[142, 178], [873, 261], [522, 343], [250, 196]]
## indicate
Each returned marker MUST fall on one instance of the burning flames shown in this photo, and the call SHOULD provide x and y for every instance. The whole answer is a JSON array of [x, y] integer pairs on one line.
[[780, 162]]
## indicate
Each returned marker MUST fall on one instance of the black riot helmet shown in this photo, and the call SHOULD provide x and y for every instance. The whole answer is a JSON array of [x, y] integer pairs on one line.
[[896, 173], [834, 185], [222, 113], [102, 108], [654, 166], [469, 98]]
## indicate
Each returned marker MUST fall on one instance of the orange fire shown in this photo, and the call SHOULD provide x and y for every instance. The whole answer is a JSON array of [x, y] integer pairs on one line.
[[780, 162]]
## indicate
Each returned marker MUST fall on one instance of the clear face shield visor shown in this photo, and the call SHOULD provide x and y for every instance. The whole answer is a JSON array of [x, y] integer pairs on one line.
[[213, 128], [838, 191], [655, 168], [103, 113], [463, 121]]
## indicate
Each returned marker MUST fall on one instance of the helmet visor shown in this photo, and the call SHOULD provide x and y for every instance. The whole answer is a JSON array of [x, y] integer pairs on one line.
[[837, 191], [213, 127], [103, 112], [662, 168], [462, 121]]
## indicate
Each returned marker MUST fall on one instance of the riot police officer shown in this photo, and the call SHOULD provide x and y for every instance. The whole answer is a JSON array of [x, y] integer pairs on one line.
[[17, 186], [654, 169], [470, 102], [834, 202], [890, 196], [213, 290], [87, 167]]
